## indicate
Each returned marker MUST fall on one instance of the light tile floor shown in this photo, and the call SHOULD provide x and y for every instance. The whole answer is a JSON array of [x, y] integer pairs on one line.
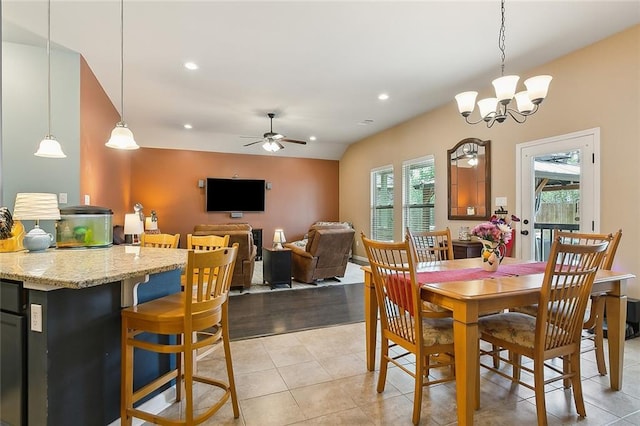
[[319, 377]]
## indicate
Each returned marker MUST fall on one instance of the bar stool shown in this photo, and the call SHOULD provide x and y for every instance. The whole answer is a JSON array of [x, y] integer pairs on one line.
[[198, 317]]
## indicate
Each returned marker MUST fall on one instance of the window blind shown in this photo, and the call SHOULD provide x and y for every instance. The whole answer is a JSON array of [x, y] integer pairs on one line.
[[418, 194]]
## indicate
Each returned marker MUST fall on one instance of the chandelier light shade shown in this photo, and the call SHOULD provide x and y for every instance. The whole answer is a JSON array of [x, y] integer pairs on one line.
[[121, 135], [272, 145], [497, 109], [49, 147]]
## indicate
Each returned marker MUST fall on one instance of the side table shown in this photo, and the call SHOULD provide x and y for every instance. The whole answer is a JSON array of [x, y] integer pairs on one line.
[[466, 249], [276, 266]]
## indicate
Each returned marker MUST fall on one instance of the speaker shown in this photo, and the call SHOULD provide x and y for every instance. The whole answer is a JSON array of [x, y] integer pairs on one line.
[[236, 215]]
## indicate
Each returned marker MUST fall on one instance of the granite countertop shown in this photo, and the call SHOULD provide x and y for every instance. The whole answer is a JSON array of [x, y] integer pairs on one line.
[[81, 268]]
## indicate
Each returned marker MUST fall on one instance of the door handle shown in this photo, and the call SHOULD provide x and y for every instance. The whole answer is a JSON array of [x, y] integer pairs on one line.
[[525, 232]]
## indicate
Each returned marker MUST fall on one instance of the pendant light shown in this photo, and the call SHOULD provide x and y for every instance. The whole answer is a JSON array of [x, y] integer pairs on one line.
[[49, 147], [121, 136], [497, 110]]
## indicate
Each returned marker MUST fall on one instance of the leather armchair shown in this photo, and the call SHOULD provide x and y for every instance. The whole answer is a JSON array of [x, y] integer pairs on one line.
[[325, 255], [246, 259]]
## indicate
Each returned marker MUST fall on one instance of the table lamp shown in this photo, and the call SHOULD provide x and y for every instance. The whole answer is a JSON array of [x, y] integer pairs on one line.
[[278, 239], [133, 226], [36, 206]]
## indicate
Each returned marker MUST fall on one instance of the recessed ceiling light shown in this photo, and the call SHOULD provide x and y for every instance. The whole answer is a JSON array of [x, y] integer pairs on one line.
[[191, 66], [188, 126], [383, 96], [312, 138]]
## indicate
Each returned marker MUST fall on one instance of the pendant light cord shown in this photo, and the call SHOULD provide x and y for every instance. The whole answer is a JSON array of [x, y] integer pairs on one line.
[[49, 69], [501, 39], [122, 61]]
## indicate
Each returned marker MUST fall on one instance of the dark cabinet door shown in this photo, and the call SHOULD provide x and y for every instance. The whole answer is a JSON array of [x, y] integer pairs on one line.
[[12, 369]]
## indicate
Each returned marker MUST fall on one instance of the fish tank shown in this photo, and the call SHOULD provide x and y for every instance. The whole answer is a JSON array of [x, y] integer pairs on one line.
[[84, 227]]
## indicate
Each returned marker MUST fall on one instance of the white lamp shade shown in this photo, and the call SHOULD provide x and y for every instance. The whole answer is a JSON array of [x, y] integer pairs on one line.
[[49, 148], [122, 138], [132, 224], [466, 102], [36, 206], [278, 236], [150, 224], [524, 103], [537, 87], [505, 87], [487, 107]]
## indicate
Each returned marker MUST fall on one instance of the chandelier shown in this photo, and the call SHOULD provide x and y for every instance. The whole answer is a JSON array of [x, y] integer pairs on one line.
[[497, 108]]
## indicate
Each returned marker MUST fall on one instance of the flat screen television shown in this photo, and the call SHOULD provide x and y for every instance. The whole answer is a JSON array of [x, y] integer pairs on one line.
[[235, 195]]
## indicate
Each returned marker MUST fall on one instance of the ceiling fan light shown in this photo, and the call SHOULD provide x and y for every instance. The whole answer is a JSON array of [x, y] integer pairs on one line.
[[50, 148], [505, 87], [466, 102], [122, 138], [487, 107], [525, 105], [277, 136], [538, 87]]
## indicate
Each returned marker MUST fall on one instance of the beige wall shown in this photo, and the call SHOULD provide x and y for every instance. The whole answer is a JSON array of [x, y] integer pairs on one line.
[[303, 190], [598, 86]]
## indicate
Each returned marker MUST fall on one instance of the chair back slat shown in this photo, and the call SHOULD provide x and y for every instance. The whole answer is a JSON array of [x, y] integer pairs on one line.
[[432, 246], [397, 289], [566, 288], [160, 240], [206, 242], [208, 276], [590, 238]]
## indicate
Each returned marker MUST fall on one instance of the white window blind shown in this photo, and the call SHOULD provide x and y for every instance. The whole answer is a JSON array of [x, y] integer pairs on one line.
[[382, 203], [418, 194]]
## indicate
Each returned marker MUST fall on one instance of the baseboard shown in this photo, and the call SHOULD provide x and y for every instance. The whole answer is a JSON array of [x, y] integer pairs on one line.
[[155, 405]]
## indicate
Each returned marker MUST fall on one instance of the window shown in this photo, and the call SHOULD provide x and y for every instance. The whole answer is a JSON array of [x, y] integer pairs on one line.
[[382, 203], [418, 194]]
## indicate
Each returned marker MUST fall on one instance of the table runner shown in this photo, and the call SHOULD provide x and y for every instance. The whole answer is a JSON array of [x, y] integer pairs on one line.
[[479, 273]]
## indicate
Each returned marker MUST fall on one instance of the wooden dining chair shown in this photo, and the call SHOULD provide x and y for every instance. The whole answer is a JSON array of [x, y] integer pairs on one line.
[[198, 317], [402, 321], [160, 240], [432, 246], [556, 329], [206, 242], [594, 317]]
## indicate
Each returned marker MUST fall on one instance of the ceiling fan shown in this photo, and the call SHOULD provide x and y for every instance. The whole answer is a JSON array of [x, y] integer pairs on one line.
[[272, 140]]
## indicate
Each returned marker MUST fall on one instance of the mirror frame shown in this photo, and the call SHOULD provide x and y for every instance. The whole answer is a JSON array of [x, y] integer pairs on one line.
[[487, 181]]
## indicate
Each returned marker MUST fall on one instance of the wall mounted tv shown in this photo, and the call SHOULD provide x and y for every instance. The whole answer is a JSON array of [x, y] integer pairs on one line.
[[235, 195]]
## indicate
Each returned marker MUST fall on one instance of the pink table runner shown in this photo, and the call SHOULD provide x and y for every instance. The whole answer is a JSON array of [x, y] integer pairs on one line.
[[479, 273]]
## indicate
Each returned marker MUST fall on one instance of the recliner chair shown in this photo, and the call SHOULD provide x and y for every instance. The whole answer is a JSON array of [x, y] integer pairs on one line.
[[326, 254]]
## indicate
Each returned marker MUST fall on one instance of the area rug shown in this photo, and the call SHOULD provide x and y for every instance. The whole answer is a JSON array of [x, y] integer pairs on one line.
[[353, 275]]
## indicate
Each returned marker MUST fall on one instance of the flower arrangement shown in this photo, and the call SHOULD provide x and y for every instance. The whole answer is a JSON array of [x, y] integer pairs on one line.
[[494, 235], [496, 231]]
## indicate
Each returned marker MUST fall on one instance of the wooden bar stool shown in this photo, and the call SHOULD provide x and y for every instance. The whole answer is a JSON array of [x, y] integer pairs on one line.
[[160, 240], [198, 317]]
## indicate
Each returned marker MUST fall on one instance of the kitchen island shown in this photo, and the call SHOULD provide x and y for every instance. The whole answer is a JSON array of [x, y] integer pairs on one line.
[[70, 302]]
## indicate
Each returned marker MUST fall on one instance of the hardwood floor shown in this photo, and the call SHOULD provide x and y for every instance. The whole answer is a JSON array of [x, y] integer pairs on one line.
[[264, 314]]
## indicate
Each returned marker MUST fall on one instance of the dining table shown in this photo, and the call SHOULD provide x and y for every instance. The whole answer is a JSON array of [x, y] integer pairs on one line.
[[461, 286]]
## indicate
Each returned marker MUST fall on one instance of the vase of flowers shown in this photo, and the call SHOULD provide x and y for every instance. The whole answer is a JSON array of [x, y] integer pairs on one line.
[[494, 235]]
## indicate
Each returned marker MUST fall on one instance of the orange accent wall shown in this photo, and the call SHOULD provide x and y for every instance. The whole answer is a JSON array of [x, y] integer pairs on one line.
[[303, 190], [105, 174]]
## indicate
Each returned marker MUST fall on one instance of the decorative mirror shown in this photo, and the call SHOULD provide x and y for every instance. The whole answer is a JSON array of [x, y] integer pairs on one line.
[[469, 176]]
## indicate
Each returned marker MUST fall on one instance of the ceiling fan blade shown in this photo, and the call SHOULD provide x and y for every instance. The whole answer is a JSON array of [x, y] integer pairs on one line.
[[252, 143], [293, 141], [280, 146]]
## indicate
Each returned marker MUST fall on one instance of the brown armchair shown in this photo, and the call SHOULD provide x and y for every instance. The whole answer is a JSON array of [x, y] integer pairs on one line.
[[325, 255], [245, 261]]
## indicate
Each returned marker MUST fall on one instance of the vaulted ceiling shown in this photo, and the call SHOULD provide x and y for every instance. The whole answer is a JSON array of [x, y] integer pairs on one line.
[[319, 65]]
